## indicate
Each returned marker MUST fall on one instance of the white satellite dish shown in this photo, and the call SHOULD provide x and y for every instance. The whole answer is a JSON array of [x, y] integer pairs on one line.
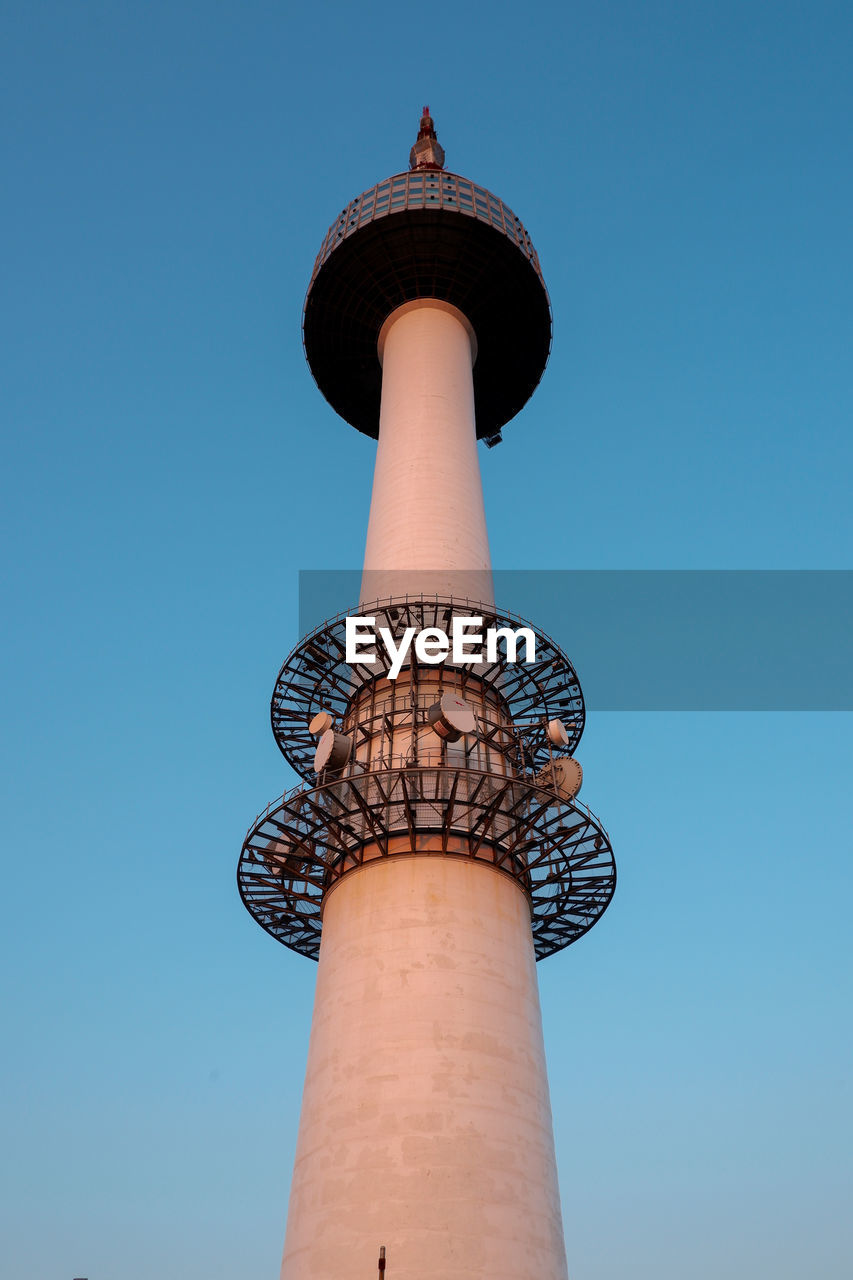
[[451, 717], [564, 775], [333, 751], [320, 723], [558, 734]]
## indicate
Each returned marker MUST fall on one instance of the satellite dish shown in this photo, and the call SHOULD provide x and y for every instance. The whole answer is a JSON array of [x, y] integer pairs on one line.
[[450, 717], [320, 723], [271, 856], [333, 751], [558, 734], [564, 775]]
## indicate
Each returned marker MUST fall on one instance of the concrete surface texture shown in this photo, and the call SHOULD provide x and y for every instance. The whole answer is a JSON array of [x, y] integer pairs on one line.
[[427, 529], [426, 1122]]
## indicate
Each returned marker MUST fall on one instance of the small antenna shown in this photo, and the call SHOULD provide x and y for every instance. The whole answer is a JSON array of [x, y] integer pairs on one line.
[[382, 1262], [427, 153]]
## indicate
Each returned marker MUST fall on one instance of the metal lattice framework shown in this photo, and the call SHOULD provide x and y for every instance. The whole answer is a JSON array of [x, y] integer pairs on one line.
[[303, 843], [316, 676]]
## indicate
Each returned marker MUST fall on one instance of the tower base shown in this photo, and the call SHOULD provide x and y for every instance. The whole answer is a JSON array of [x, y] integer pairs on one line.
[[426, 1122]]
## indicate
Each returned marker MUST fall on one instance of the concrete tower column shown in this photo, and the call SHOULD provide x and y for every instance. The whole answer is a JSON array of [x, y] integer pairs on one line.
[[427, 529], [426, 1123]]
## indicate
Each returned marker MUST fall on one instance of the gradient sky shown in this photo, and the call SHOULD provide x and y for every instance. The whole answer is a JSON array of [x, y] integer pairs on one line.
[[169, 467]]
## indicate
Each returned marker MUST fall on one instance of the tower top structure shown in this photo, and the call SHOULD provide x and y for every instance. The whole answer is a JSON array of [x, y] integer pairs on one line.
[[427, 233], [427, 153]]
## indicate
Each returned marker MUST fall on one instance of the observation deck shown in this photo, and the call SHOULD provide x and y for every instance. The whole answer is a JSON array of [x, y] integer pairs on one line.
[[427, 234]]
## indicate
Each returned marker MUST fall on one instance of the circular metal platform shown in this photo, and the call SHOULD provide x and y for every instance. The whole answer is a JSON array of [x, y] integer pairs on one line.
[[316, 677], [427, 234], [306, 841]]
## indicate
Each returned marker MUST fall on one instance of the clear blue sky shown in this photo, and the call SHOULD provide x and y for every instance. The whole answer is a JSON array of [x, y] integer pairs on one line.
[[168, 467]]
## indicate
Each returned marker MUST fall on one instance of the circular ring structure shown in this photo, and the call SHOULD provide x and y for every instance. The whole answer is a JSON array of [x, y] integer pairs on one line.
[[316, 677], [427, 234], [303, 843]]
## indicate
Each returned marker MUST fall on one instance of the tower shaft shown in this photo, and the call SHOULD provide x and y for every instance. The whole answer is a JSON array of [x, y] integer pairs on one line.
[[427, 529], [426, 1121]]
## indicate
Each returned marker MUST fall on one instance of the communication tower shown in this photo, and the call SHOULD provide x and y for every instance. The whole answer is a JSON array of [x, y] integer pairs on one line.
[[436, 847]]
